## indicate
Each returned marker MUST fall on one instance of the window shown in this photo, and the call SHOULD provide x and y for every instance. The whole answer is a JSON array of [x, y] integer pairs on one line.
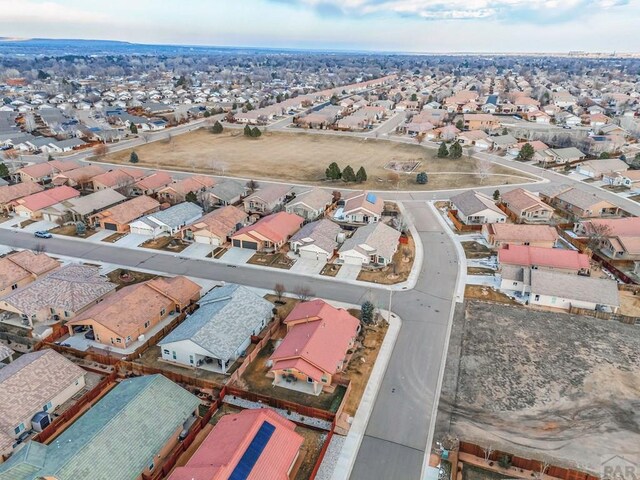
[[162, 312], [19, 428], [515, 284], [151, 465], [67, 314], [14, 286], [118, 340], [309, 380], [128, 338], [190, 358], [537, 298], [324, 379], [146, 324], [173, 354], [46, 407], [165, 351]]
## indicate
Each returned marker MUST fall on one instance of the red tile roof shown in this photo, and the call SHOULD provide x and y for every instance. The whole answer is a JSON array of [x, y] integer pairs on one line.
[[220, 452], [277, 227], [319, 342], [45, 199], [542, 257]]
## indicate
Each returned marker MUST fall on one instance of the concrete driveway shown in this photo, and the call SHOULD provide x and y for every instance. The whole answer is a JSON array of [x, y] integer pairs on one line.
[[349, 272], [99, 236], [197, 250], [237, 256], [307, 266], [131, 240], [43, 225]]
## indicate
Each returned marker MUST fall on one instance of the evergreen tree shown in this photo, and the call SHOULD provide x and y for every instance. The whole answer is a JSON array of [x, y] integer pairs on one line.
[[460, 125], [217, 128], [526, 152], [442, 151], [422, 178], [4, 171], [367, 312], [133, 158], [133, 128], [255, 133], [191, 197], [333, 172], [496, 195], [361, 176], [247, 131], [348, 175], [207, 114], [605, 155], [455, 151]]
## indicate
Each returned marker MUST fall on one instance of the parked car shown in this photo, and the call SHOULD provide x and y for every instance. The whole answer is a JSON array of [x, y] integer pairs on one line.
[[42, 234], [89, 335]]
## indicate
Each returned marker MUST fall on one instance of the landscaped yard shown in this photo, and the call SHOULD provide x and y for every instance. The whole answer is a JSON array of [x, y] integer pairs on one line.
[[166, 243], [255, 380], [330, 270], [480, 271], [123, 277], [71, 231], [399, 269], [302, 157], [275, 260]]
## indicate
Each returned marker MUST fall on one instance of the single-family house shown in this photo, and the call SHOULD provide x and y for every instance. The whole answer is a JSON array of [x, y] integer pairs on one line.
[[557, 290], [597, 168], [360, 208], [617, 238], [119, 179], [32, 387], [251, 444], [269, 233], [476, 208], [123, 436], [226, 192], [21, 268], [472, 137], [480, 121], [44, 172], [33, 205], [498, 235], [9, 194], [177, 192], [119, 217], [311, 204], [577, 202], [151, 184], [62, 294], [316, 240], [80, 209], [80, 178], [215, 228], [526, 207], [167, 222], [315, 347], [268, 199], [126, 316], [504, 142], [561, 155], [373, 244], [219, 332]]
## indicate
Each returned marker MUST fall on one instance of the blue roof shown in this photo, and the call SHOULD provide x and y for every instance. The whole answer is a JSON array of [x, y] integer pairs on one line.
[[371, 197], [253, 452]]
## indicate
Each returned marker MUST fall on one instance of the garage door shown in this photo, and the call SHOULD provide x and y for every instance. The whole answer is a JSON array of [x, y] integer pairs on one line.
[[110, 226], [352, 260], [237, 243], [311, 255], [250, 245]]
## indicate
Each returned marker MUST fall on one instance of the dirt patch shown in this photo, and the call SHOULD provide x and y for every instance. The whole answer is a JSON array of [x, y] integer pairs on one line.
[[399, 269], [272, 155], [330, 270], [71, 231], [26, 223], [480, 271], [168, 244], [476, 250], [488, 294], [123, 277], [309, 451], [284, 305], [629, 303], [361, 364], [114, 238], [550, 386], [274, 260]]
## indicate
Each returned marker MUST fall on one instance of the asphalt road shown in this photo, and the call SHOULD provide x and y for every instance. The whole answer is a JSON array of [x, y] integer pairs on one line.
[[404, 411]]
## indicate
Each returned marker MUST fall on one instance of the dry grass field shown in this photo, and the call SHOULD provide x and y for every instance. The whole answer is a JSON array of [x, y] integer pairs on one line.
[[303, 158]]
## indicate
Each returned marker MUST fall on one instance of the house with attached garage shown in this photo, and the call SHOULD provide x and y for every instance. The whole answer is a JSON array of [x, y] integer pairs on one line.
[[78, 177], [315, 347], [122, 436], [254, 443], [79, 209], [219, 331], [476, 208], [177, 192], [223, 193], [311, 204], [119, 179], [526, 207], [269, 233], [10, 194], [498, 235], [373, 244], [560, 155], [557, 290], [598, 168], [119, 217], [44, 172], [33, 206], [617, 238], [62, 294], [126, 316], [215, 228], [32, 388], [267, 199], [577, 202], [151, 185], [21, 268], [316, 240], [359, 208], [167, 222]]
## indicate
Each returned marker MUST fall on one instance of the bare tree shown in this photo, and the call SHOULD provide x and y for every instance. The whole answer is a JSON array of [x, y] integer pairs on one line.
[[304, 293], [420, 138], [544, 465], [39, 248], [146, 136], [252, 185], [100, 150], [487, 453], [596, 234], [278, 289]]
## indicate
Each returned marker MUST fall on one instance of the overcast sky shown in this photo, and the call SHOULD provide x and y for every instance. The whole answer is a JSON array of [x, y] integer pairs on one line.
[[377, 25]]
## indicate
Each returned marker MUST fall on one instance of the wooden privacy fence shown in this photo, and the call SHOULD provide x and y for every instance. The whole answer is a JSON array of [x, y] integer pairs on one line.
[[605, 315], [273, 328], [461, 227], [52, 429], [527, 463], [125, 367]]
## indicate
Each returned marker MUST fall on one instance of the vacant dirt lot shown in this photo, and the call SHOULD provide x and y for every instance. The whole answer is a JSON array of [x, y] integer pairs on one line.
[[551, 386], [303, 158]]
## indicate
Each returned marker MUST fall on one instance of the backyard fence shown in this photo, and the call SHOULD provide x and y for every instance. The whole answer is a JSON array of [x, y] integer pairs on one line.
[[527, 463], [461, 227], [273, 328], [137, 369], [605, 315]]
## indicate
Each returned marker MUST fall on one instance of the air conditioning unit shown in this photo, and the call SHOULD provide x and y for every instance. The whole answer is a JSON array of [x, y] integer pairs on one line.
[[40, 421], [141, 338]]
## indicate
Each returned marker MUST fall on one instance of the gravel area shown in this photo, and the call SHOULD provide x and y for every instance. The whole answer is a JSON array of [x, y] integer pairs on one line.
[[330, 458], [293, 416]]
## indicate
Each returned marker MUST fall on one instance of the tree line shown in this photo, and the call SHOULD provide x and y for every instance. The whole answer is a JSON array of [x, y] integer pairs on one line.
[[333, 172]]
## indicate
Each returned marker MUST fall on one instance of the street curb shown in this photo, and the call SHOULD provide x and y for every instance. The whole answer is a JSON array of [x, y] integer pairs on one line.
[[351, 446]]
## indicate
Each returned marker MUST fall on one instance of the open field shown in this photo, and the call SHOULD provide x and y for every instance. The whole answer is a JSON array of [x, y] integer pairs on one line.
[[303, 158], [549, 386]]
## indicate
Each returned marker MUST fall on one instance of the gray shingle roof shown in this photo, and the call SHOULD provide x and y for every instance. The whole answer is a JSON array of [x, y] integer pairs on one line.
[[471, 202], [577, 287], [176, 216], [227, 190], [323, 233], [94, 202], [379, 236], [227, 316]]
